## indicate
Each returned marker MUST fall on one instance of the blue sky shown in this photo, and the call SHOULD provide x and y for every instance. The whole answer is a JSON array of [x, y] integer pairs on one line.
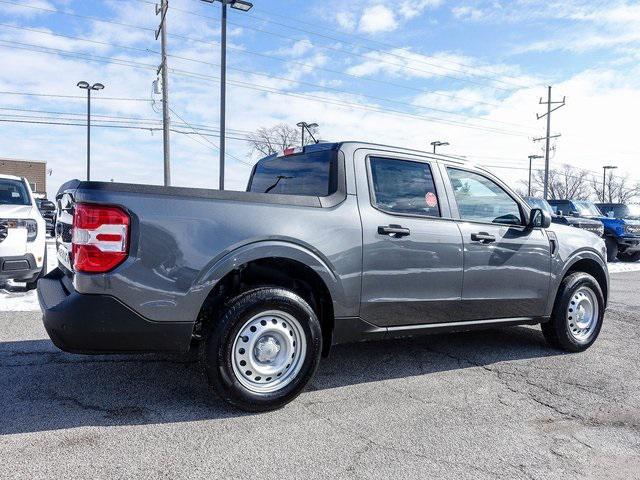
[[407, 73]]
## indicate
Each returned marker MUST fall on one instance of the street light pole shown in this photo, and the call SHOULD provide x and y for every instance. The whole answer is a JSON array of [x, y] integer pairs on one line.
[[438, 143], [604, 181], [85, 86], [307, 126], [531, 158], [245, 7]]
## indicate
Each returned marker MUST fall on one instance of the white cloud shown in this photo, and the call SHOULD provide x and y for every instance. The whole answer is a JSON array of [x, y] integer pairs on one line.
[[376, 19], [346, 20], [467, 12], [18, 11], [409, 9]]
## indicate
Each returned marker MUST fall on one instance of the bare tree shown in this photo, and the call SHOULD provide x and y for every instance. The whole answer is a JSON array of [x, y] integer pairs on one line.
[[616, 189], [267, 141], [564, 182]]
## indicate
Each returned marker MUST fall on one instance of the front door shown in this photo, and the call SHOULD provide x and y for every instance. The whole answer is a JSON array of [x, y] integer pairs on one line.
[[412, 249], [507, 264]]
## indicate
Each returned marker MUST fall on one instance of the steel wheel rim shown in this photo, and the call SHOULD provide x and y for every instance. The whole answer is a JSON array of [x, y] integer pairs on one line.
[[268, 351], [582, 313]]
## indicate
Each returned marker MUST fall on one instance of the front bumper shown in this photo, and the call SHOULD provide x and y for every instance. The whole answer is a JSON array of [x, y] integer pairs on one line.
[[629, 244], [80, 323], [20, 268]]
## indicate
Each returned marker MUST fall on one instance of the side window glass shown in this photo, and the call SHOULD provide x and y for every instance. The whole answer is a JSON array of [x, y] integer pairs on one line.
[[482, 200], [404, 187]]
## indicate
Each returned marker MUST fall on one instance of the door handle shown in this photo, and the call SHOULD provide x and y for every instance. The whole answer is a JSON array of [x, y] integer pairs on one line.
[[395, 231], [482, 237]]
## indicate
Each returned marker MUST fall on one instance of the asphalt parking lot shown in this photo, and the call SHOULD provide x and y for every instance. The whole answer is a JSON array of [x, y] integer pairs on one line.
[[493, 404]]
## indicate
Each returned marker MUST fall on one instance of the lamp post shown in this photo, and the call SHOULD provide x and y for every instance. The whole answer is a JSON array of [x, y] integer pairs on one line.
[[604, 180], [244, 7], [85, 86], [438, 143], [531, 158], [307, 126]]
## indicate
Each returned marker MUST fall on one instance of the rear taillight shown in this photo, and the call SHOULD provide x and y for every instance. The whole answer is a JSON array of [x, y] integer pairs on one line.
[[100, 238]]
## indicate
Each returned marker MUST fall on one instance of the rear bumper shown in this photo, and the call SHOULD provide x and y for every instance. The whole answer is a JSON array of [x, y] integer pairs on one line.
[[20, 268], [79, 323]]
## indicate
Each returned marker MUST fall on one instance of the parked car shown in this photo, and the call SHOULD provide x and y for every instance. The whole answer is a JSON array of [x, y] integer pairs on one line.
[[588, 224], [23, 256], [48, 211], [622, 236], [353, 241]]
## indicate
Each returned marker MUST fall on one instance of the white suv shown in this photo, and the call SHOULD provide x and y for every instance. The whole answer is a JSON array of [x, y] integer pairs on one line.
[[23, 254]]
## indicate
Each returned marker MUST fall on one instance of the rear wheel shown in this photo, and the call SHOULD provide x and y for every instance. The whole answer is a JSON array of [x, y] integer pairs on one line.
[[577, 314], [629, 257], [612, 248], [264, 349]]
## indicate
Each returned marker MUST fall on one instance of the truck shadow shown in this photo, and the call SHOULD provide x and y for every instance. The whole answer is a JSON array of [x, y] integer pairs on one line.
[[42, 388]]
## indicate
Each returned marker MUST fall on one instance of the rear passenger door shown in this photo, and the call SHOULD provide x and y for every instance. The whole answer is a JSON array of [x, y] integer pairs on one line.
[[507, 265], [412, 249]]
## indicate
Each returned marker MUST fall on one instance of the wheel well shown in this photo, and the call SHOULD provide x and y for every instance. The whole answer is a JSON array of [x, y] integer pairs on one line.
[[280, 272], [594, 269]]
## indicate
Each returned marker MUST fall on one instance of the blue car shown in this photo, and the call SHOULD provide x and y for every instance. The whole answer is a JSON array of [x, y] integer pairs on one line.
[[622, 235]]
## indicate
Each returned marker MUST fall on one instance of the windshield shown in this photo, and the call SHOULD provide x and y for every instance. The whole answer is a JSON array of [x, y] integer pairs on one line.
[[312, 173], [13, 192], [614, 210], [587, 209], [540, 203]]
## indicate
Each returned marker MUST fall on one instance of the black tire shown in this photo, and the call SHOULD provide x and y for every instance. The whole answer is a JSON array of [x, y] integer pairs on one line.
[[217, 351], [629, 257], [33, 283], [557, 330], [612, 248]]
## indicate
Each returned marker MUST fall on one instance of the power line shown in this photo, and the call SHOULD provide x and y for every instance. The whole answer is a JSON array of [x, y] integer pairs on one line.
[[79, 97], [373, 50], [324, 47], [146, 50], [129, 63]]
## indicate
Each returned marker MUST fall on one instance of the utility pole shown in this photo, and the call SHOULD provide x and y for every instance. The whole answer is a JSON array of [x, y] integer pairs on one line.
[[548, 137], [531, 158], [166, 119], [604, 181]]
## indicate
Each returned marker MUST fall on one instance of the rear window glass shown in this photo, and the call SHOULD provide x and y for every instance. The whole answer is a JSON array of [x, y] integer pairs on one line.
[[312, 174], [13, 192]]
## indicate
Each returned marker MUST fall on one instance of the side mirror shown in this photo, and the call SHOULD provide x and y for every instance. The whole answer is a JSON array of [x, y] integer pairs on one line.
[[539, 218]]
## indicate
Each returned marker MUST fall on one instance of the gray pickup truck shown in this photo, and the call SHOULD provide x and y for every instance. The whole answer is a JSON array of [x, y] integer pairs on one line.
[[330, 244]]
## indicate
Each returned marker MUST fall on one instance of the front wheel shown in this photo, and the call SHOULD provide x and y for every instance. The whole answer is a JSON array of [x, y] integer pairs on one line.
[[577, 314], [33, 283], [264, 349], [629, 257]]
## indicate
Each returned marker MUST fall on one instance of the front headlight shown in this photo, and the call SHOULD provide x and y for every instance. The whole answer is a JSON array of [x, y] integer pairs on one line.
[[30, 225], [631, 230]]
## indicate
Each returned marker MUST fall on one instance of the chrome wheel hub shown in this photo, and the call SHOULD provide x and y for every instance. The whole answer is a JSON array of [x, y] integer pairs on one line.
[[268, 351], [582, 313]]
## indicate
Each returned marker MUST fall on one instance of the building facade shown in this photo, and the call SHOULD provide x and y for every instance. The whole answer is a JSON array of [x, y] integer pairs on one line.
[[35, 171]]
